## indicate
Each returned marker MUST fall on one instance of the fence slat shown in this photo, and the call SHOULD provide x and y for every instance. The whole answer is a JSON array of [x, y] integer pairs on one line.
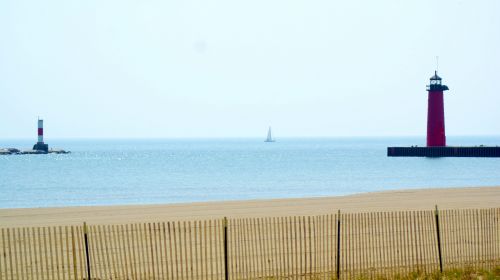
[[30, 253], [93, 251], [289, 245], [476, 239], [322, 246], [380, 245], [418, 241], [23, 253], [281, 242], [184, 245], [61, 247], [493, 236], [244, 251], [219, 250], [261, 254], [190, 242], [9, 244], [351, 264], [167, 246], [2, 254]]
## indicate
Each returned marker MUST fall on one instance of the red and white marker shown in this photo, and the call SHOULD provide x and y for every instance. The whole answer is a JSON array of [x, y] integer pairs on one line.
[[40, 131]]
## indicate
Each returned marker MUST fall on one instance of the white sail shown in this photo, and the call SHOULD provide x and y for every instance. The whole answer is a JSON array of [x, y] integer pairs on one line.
[[269, 136]]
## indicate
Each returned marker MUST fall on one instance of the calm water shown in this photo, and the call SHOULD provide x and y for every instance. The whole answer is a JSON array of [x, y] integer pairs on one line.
[[105, 172]]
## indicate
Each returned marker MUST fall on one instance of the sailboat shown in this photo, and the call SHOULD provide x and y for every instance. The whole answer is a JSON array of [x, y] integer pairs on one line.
[[269, 136]]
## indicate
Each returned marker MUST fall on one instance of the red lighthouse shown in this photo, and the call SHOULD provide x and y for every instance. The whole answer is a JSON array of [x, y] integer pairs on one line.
[[435, 113], [436, 137]]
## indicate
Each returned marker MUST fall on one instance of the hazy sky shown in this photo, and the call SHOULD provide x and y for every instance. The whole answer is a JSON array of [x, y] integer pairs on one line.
[[231, 68]]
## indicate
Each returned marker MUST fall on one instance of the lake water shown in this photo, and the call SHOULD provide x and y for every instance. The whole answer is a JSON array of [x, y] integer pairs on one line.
[[110, 172]]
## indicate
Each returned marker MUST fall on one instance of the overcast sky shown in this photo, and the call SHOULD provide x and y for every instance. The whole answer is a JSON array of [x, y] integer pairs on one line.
[[232, 68]]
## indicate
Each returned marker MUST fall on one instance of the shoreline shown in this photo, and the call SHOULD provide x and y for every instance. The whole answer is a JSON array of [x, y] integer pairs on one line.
[[395, 200]]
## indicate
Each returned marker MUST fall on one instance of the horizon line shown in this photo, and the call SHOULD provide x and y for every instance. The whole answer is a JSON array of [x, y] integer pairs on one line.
[[241, 137]]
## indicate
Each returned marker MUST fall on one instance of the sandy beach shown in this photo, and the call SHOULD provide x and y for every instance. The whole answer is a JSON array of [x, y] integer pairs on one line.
[[418, 199]]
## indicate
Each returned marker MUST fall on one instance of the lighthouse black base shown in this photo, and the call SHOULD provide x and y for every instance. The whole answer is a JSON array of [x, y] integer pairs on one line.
[[40, 146], [480, 151]]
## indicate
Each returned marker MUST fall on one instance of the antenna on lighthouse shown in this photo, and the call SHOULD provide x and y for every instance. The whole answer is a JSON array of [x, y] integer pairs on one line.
[[437, 63]]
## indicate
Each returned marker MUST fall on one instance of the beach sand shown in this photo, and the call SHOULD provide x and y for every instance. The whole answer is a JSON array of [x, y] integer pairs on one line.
[[418, 199]]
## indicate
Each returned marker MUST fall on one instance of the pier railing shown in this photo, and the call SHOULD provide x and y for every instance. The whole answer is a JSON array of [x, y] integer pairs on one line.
[[339, 245]]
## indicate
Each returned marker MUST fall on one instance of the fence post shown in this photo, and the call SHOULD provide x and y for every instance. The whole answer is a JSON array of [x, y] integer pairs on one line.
[[85, 236], [439, 240], [226, 267], [338, 245]]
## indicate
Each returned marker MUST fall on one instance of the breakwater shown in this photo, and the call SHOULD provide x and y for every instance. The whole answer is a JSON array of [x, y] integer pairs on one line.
[[14, 151], [479, 151]]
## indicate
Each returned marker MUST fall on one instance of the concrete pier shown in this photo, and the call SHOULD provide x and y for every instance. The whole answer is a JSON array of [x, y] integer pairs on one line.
[[449, 151]]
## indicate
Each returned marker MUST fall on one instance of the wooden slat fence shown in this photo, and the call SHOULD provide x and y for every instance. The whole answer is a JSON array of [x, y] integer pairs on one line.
[[42, 253], [166, 250], [369, 245], [282, 247]]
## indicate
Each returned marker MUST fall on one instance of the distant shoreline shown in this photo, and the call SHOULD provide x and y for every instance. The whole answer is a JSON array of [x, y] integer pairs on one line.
[[414, 199]]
